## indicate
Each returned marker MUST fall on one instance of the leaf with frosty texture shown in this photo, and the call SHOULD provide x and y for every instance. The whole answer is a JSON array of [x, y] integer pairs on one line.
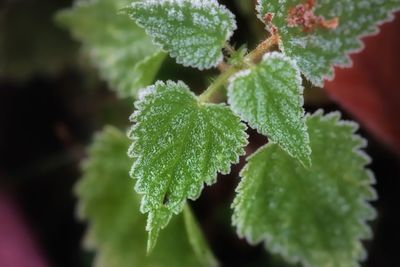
[[178, 144]]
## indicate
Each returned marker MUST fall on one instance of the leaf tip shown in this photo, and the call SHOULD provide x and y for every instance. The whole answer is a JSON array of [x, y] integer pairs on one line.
[[306, 161], [151, 241], [124, 10]]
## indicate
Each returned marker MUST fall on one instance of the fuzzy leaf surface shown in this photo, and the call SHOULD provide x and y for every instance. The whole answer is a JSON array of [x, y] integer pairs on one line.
[[318, 49], [120, 49], [178, 145], [269, 97], [314, 215], [193, 32], [116, 227]]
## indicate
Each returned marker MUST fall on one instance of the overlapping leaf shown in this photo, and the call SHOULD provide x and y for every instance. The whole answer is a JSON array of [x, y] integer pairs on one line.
[[270, 97], [178, 145], [314, 215], [321, 33], [116, 227], [193, 32], [121, 50]]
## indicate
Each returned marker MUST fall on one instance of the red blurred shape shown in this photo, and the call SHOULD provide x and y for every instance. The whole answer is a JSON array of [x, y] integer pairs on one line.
[[370, 90], [17, 247]]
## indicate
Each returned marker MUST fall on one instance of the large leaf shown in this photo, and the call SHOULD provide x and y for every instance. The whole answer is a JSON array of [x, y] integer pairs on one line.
[[178, 145], [121, 50], [314, 39], [269, 97], [116, 227], [314, 215], [193, 32]]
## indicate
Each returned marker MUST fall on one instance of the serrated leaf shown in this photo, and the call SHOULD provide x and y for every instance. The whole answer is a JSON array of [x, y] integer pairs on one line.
[[269, 97], [178, 145], [318, 48], [116, 227], [314, 215], [120, 49], [193, 32]]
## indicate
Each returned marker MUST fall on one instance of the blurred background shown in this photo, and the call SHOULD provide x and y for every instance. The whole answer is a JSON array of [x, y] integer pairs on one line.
[[52, 101]]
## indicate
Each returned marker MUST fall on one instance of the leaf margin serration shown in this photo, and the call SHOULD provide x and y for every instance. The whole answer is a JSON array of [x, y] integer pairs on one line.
[[346, 58], [214, 3], [300, 90], [147, 95], [267, 239]]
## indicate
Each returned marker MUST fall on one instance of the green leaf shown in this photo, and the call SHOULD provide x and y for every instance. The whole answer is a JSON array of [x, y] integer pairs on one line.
[[120, 49], [197, 240], [193, 32], [144, 69], [116, 227], [269, 97], [178, 145], [318, 49], [315, 215]]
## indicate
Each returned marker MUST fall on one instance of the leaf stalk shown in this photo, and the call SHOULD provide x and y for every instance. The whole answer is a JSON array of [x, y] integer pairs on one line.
[[254, 56]]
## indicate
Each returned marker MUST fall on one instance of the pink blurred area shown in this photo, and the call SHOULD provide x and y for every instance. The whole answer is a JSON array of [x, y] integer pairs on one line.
[[18, 248], [370, 90]]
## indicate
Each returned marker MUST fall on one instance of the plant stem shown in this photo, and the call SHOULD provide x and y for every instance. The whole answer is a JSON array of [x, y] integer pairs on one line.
[[207, 95], [253, 57], [266, 46]]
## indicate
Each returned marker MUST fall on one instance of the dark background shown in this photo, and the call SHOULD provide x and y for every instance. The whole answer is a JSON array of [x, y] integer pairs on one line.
[[50, 106]]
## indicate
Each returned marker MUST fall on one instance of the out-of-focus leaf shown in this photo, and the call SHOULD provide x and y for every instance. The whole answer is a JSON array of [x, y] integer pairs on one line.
[[125, 56], [196, 239], [116, 227]]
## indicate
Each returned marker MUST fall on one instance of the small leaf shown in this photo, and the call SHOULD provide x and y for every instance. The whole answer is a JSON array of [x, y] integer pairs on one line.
[[319, 34], [270, 97], [193, 32], [116, 227], [315, 215], [178, 145], [119, 48]]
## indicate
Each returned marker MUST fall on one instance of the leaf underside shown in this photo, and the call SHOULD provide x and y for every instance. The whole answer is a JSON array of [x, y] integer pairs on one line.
[[124, 54], [193, 32], [270, 97], [178, 145], [116, 227], [314, 215], [316, 51]]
